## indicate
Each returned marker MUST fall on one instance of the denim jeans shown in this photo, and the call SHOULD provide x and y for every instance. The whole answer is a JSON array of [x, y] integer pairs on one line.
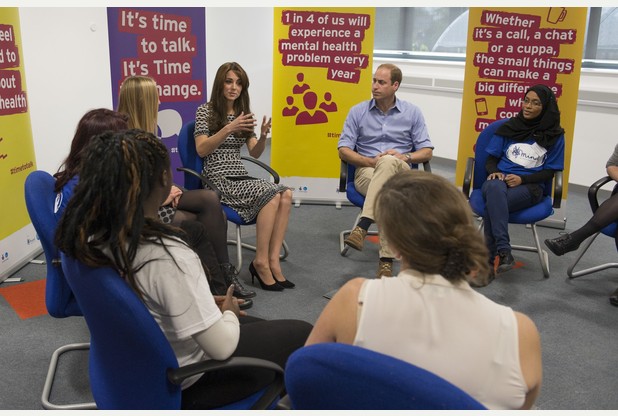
[[500, 200]]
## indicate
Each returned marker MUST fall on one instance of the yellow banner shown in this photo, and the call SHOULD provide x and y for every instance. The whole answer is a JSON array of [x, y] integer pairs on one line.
[[322, 67], [510, 49], [16, 147]]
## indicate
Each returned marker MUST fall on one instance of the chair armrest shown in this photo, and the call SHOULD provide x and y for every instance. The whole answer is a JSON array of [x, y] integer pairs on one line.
[[557, 189], [467, 180], [205, 181], [343, 176], [177, 375], [263, 165], [593, 192], [427, 166]]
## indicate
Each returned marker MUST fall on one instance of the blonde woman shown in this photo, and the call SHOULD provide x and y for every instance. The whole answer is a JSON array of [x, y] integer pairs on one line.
[[139, 99], [429, 315]]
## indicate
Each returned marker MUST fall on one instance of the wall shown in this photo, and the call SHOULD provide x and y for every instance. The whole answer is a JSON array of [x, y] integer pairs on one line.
[[67, 73]]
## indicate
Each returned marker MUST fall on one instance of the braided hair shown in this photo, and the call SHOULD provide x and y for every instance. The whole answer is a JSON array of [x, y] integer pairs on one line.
[[104, 222]]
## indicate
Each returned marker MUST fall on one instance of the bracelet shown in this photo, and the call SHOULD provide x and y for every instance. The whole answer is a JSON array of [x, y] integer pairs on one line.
[[408, 157]]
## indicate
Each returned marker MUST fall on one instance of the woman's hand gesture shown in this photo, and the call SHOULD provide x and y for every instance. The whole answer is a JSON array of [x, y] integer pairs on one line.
[[265, 127], [173, 197], [244, 122]]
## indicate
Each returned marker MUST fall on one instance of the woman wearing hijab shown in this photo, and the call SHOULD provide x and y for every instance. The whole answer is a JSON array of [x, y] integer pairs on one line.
[[523, 155]]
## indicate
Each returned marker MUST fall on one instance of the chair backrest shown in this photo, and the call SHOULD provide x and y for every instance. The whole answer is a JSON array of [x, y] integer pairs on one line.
[[129, 355], [334, 376], [480, 157], [40, 199], [188, 155]]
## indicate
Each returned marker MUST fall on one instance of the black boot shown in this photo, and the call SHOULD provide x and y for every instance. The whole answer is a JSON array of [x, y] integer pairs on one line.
[[561, 245], [231, 278], [506, 261]]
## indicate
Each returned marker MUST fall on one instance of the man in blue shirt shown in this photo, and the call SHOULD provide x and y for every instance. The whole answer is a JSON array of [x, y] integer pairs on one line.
[[381, 137]]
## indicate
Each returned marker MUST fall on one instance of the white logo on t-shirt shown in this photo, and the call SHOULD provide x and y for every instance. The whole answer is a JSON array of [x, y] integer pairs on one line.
[[526, 155]]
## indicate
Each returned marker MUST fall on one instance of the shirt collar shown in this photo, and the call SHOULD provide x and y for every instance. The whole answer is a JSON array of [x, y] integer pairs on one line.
[[397, 105]]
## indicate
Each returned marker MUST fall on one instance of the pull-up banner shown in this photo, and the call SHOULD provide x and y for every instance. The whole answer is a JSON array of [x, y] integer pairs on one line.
[[18, 239], [509, 50], [168, 45], [322, 67]]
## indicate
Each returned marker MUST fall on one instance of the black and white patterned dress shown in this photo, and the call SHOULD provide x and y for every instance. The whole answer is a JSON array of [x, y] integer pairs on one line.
[[245, 194]]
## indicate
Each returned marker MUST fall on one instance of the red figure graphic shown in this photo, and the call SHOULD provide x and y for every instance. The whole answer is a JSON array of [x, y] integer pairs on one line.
[[291, 109], [328, 105], [310, 99], [301, 86]]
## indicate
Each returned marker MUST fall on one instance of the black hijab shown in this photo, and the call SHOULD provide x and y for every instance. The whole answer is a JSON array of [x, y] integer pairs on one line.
[[544, 129]]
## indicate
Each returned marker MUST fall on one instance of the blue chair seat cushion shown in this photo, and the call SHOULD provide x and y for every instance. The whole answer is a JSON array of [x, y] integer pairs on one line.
[[610, 230], [234, 217], [530, 215], [354, 196]]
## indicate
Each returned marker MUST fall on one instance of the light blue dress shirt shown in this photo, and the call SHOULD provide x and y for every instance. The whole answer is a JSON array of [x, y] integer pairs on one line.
[[370, 132]]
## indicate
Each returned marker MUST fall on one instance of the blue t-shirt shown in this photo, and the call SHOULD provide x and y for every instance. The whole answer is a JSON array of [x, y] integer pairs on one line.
[[63, 197], [526, 157]]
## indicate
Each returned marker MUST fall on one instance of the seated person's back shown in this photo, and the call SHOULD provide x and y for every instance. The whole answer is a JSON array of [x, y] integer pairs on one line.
[[429, 315]]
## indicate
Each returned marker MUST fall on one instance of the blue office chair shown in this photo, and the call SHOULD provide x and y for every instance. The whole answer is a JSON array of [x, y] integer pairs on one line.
[[346, 184], [59, 299], [334, 376], [609, 231], [132, 364], [476, 175], [193, 167]]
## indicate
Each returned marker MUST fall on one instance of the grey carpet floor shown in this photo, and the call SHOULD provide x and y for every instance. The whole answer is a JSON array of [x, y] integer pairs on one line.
[[578, 326]]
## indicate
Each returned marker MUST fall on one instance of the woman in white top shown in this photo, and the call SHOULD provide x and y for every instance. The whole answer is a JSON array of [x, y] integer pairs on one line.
[[429, 315], [112, 220]]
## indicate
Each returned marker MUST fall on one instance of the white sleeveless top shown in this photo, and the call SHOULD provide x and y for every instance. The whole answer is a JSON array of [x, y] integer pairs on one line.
[[450, 330]]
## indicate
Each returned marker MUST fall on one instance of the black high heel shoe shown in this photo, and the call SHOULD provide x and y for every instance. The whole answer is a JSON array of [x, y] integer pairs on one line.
[[275, 287], [285, 283]]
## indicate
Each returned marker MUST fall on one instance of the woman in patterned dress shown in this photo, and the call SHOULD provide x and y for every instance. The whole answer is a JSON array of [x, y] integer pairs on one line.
[[222, 127], [139, 99]]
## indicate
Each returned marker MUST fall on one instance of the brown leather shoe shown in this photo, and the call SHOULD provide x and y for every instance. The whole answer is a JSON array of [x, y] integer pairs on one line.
[[385, 269], [356, 239]]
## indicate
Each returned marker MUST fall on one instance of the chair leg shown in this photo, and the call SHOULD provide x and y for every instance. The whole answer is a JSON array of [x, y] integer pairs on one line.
[[49, 380], [543, 256], [240, 245], [573, 274]]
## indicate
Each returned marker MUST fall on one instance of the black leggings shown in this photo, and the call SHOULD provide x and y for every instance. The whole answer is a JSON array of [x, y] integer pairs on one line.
[[606, 214], [272, 340], [204, 206]]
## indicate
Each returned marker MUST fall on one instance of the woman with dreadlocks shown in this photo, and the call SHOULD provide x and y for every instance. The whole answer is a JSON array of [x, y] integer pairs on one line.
[[112, 220]]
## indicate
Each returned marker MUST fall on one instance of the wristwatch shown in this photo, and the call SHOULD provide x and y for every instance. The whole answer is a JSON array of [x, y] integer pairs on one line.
[[408, 158]]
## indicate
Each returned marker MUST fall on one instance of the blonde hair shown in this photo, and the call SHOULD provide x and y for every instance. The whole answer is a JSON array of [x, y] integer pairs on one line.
[[429, 222], [139, 99]]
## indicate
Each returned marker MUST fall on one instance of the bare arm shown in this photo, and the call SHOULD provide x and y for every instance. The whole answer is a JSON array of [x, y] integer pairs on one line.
[[348, 155], [612, 172], [529, 357], [205, 145], [422, 155], [337, 322], [256, 147]]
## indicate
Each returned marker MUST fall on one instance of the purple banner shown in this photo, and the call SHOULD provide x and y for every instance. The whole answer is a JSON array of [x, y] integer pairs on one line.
[[169, 45]]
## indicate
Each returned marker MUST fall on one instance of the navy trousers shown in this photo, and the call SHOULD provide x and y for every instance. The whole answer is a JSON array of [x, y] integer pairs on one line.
[[500, 200]]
